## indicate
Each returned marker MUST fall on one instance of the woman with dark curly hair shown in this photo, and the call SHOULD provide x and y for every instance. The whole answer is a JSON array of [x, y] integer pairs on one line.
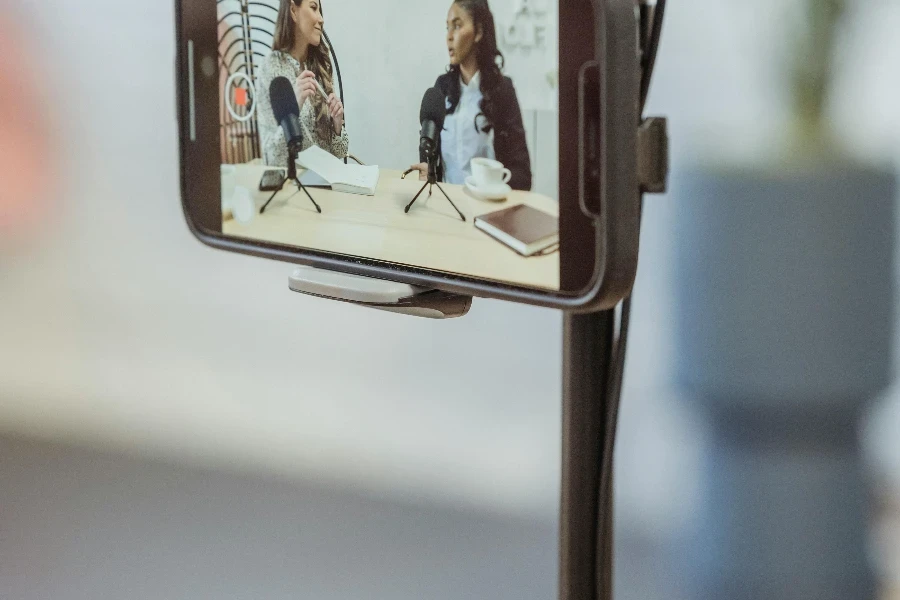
[[299, 55], [483, 114]]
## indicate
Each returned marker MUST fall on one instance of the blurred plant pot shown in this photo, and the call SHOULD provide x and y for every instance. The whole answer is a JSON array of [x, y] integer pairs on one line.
[[784, 318]]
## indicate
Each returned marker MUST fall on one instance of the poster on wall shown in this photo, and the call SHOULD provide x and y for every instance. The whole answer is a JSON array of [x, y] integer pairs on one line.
[[528, 35]]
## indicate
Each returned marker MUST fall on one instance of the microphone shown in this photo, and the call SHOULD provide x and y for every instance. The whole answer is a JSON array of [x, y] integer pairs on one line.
[[287, 112], [431, 116]]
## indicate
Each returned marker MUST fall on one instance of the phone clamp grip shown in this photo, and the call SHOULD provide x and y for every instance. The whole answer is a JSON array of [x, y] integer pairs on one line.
[[380, 294], [653, 155]]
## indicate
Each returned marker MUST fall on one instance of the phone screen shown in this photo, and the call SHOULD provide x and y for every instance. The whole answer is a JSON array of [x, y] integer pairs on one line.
[[431, 130]]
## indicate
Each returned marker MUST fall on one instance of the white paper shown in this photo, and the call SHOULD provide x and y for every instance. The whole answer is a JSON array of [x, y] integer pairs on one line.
[[358, 179]]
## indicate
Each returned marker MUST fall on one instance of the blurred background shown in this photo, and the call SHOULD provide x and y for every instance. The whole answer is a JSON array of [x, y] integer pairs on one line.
[[175, 424]]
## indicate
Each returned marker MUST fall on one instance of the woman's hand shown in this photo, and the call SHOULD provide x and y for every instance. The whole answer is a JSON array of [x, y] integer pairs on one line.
[[336, 108], [422, 168], [305, 87]]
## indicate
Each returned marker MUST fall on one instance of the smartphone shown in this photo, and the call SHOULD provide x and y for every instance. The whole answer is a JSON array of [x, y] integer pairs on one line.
[[485, 107], [272, 179]]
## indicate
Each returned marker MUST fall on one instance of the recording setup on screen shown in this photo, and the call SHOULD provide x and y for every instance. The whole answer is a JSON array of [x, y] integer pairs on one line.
[[411, 156], [422, 134]]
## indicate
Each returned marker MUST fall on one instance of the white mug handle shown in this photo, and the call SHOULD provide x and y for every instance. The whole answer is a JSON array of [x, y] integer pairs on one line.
[[507, 175]]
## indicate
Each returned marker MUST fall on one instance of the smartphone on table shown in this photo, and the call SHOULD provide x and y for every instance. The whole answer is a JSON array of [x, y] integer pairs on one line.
[[272, 179]]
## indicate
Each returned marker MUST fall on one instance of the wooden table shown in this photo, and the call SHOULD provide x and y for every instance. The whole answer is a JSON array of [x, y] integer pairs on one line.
[[431, 235]]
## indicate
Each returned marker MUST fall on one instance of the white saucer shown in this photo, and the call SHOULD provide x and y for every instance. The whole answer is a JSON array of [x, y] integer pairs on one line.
[[495, 192]]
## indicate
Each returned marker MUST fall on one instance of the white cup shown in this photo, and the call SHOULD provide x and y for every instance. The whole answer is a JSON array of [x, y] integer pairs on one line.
[[489, 173], [243, 209], [229, 181]]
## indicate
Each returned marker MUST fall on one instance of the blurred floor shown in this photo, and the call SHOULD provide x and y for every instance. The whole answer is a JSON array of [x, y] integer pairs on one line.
[[87, 525]]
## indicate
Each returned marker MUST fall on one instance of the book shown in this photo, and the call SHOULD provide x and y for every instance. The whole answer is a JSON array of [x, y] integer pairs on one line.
[[310, 178], [351, 179], [525, 229]]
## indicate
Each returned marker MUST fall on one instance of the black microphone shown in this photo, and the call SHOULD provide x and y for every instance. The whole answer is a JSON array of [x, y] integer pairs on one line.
[[431, 116], [287, 112]]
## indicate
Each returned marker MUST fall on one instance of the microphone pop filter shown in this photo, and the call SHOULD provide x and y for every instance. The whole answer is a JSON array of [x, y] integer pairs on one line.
[[284, 102]]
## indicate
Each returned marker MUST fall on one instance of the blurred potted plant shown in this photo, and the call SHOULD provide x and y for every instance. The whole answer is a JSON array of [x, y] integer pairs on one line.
[[784, 312]]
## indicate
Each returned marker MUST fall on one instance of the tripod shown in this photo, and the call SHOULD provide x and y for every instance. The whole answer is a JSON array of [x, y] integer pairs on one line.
[[291, 176], [430, 183]]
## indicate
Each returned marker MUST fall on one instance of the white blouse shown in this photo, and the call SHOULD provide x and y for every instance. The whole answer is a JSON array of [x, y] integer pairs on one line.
[[460, 140], [274, 147]]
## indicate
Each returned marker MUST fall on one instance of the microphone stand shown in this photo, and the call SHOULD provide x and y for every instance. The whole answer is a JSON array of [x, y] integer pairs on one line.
[[430, 183], [292, 176], [337, 68]]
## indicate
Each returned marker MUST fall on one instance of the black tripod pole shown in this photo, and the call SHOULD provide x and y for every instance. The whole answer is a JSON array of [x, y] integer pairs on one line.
[[272, 197], [306, 191], [430, 183], [292, 176], [593, 369], [586, 517]]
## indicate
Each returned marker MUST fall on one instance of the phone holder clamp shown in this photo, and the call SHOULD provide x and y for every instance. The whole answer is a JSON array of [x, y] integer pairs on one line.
[[379, 294], [653, 155]]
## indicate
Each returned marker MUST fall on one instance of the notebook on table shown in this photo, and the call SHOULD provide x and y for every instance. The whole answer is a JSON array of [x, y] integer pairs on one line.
[[351, 179], [310, 178], [526, 230]]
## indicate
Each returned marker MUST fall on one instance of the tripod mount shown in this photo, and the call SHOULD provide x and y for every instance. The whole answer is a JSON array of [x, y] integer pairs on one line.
[[293, 151], [431, 183]]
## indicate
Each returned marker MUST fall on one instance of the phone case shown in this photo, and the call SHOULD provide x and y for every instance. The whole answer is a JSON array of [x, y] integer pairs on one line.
[[608, 118]]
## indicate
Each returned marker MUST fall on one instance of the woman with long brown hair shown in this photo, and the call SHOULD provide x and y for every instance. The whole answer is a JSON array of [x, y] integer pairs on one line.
[[483, 115], [299, 55]]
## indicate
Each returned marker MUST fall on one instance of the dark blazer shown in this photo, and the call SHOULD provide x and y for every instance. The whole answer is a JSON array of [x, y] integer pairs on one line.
[[510, 146]]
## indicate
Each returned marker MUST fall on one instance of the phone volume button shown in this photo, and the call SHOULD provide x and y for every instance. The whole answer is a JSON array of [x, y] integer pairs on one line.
[[590, 140], [192, 110]]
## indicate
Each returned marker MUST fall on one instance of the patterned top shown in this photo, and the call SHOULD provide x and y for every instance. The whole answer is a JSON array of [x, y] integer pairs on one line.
[[274, 146]]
